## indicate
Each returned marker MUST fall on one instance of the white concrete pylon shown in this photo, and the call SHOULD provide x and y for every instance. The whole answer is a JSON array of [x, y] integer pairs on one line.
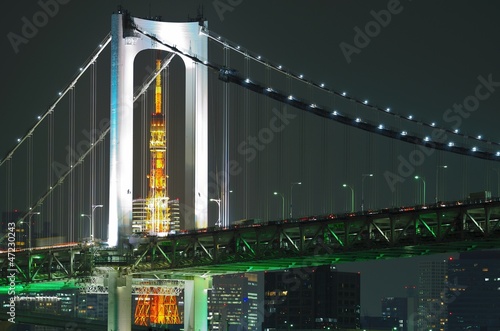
[[125, 45]]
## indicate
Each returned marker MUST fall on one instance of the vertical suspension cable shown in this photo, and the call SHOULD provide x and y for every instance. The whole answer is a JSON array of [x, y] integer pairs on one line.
[[268, 159], [332, 172], [144, 150], [49, 205], [487, 182], [77, 231], [55, 228], [8, 187], [398, 191], [347, 156], [29, 188], [166, 119], [246, 129], [416, 187], [93, 130], [74, 159], [103, 166], [439, 163], [324, 159], [377, 178], [465, 182], [225, 148]]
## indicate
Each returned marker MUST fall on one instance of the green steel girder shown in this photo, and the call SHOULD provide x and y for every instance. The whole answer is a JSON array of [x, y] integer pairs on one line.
[[282, 244], [39, 265]]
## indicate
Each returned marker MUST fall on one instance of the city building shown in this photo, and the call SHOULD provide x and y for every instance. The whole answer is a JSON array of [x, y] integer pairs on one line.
[[432, 286], [60, 303], [236, 302], [474, 293], [175, 215], [412, 295], [395, 310], [312, 298], [140, 215], [92, 306]]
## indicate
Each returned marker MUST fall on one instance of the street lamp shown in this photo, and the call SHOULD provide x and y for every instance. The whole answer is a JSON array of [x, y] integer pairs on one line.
[[30, 214], [291, 195], [437, 180], [363, 190], [422, 199], [352, 196], [91, 220], [90, 223], [282, 205], [218, 217]]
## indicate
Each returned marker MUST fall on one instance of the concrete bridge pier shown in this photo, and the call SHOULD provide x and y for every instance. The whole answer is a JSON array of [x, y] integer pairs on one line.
[[119, 301], [196, 303]]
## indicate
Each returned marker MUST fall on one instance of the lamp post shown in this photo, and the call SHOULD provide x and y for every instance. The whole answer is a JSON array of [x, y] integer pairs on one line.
[[282, 204], [352, 196], [92, 217], [362, 190], [90, 224], [437, 180], [30, 214], [218, 217], [91, 220], [291, 196], [422, 198]]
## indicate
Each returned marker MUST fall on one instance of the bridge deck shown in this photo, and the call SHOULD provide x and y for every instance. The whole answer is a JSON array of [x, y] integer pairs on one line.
[[275, 245]]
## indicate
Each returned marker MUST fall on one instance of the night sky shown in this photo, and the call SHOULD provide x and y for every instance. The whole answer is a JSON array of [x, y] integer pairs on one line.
[[425, 58]]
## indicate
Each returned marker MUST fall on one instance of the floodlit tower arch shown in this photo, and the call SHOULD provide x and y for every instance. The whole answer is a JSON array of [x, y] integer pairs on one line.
[[125, 45]]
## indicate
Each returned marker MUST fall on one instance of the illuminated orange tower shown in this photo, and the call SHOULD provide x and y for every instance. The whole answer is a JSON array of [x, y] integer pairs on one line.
[[158, 218], [155, 305]]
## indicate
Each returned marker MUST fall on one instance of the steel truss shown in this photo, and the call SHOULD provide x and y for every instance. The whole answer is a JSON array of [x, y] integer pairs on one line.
[[46, 264], [311, 241]]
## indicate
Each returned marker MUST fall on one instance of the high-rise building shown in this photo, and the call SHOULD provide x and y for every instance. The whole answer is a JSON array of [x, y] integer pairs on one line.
[[236, 302], [395, 309], [412, 296], [432, 286], [474, 293], [175, 215], [312, 298], [140, 215], [92, 306]]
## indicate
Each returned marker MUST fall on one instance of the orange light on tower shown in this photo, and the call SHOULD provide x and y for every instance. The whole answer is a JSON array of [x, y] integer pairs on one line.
[[158, 216], [154, 305]]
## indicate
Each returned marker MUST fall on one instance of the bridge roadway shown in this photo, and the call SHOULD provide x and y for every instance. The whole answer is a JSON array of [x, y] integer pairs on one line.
[[274, 245]]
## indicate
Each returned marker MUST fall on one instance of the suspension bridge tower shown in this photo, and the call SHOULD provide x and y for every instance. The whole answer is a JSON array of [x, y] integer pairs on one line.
[[131, 35]]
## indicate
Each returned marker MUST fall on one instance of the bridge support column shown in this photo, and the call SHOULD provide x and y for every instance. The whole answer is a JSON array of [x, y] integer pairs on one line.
[[196, 303], [119, 301]]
